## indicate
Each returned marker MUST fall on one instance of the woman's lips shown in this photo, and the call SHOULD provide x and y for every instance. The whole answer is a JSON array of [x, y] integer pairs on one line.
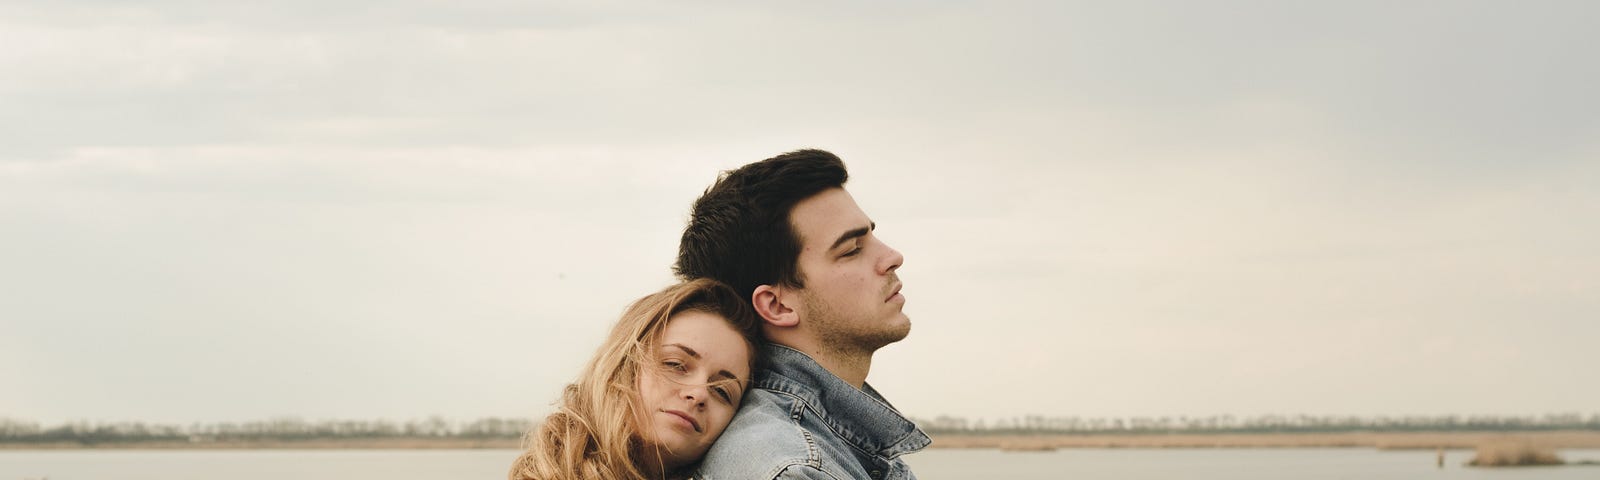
[[687, 420]]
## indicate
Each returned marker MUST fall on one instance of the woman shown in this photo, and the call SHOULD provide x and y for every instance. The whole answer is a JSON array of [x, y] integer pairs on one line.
[[662, 387]]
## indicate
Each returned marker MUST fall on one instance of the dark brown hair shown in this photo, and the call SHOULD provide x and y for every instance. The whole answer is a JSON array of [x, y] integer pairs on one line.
[[739, 231]]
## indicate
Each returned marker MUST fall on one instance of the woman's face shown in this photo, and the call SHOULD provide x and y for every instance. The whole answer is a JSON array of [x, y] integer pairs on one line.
[[693, 387]]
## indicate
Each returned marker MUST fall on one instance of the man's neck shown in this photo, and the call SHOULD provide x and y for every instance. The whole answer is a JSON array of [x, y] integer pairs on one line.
[[849, 365]]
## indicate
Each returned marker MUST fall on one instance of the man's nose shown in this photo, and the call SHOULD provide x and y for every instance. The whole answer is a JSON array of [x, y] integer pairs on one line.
[[892, 261]]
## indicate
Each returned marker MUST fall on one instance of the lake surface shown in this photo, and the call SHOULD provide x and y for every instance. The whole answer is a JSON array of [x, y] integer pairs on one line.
[[1130, 464]]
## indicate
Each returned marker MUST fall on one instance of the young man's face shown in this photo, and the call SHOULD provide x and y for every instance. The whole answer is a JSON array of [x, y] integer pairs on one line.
[[852, 295]]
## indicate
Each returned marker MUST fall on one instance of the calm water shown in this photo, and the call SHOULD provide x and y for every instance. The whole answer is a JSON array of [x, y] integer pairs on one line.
[[1132, 464]]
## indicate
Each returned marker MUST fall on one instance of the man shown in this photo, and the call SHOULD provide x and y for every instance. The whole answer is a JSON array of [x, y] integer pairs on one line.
[[785, 233]]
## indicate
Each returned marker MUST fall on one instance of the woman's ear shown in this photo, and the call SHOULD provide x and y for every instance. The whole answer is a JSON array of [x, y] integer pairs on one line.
[[770, 304]]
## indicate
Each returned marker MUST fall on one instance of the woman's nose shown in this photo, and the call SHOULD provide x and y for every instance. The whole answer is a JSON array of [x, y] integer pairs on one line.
[[696, 393]]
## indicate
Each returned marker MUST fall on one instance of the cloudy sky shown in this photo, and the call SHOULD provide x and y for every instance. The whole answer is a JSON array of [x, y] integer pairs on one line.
[[220, 211]]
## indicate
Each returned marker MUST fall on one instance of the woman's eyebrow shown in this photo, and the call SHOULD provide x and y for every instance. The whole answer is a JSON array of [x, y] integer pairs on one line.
[[685, 349], [721, 374]]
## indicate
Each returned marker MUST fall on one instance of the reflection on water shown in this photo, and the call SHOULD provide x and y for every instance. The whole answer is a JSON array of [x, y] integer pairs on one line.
[[1130, 464], [256, 464], [1232, 464]]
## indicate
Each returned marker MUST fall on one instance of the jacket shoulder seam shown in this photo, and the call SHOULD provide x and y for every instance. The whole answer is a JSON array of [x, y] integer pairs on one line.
[[818, 469]]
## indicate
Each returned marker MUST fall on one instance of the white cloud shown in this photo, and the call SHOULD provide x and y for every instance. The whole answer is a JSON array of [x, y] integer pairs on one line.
[[345, 211]]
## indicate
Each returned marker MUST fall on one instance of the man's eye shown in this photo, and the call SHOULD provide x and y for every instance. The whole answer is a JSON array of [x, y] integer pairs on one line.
[[853, 251]]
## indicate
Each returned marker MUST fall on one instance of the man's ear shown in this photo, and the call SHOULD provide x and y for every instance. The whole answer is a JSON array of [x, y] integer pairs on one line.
[[772, 306]]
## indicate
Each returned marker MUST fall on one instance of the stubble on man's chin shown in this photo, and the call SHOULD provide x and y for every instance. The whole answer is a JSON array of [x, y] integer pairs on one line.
[[851, 337]]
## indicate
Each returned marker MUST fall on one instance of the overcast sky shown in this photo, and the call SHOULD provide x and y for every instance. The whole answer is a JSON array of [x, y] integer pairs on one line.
[[220, 211]]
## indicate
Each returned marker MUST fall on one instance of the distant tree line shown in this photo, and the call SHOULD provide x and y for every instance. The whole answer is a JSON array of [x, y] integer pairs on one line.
[[292, 429], [280, 429], [1035, 424]]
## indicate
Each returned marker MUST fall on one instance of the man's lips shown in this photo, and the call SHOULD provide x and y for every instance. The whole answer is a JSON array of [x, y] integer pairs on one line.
[[895, 292], [685, 418]]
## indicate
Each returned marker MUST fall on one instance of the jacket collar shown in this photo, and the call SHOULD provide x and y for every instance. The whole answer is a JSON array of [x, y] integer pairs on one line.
[[859, 416]]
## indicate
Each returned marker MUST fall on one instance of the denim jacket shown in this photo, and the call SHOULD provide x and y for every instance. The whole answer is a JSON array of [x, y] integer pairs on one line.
[[799, 420]]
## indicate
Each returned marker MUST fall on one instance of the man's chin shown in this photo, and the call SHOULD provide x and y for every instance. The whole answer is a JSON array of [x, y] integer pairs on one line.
[[896, 331], [903, 331]]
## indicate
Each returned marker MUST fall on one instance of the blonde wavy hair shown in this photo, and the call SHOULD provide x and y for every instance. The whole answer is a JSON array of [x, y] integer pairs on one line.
[[594, 431]]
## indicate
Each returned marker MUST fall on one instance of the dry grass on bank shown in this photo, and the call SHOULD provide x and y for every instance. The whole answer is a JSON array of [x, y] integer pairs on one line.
[[1514, 454]]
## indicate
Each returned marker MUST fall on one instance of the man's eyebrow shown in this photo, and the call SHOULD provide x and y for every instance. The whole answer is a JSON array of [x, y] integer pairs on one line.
[[853, 234], [685, 349]]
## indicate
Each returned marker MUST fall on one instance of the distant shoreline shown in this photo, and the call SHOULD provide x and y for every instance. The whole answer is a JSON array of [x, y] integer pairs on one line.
[[1379, 440]]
